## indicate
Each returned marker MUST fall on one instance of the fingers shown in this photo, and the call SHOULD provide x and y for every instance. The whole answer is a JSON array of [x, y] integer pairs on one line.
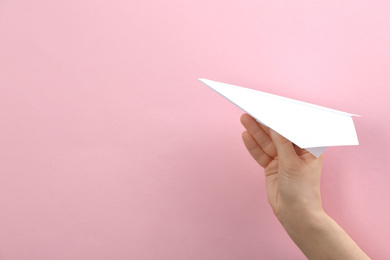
[[284, 147], [261, 140], [260, 133], [255, 151]]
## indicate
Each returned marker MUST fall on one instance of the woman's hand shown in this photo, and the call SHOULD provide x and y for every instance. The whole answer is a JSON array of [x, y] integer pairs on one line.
[[292, 177], [292, 174]]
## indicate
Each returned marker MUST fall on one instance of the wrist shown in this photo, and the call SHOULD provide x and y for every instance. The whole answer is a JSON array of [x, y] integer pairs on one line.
[[293, 212]]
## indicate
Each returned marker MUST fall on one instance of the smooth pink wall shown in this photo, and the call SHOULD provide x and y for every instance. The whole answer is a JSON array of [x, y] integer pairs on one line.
[[111, 149]]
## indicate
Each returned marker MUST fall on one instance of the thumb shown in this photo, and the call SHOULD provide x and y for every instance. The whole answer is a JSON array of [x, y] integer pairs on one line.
[[284, 147]]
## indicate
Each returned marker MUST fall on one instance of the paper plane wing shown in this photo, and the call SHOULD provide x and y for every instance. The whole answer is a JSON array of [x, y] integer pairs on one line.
[[308, 126]]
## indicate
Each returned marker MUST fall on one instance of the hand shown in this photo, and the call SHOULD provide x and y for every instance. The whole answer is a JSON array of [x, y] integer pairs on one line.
[[292, 175]]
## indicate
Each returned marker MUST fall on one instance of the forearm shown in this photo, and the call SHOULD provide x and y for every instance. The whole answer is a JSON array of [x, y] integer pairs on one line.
[[320, 237]]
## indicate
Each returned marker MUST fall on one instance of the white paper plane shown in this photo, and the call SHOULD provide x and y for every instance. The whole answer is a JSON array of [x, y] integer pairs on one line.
[[308, 126]]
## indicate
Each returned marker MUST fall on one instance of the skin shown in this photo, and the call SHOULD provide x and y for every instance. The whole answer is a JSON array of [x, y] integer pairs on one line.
[[292, 177]]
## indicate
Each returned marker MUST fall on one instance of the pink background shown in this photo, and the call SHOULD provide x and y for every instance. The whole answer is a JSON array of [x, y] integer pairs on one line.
[[111, 149]]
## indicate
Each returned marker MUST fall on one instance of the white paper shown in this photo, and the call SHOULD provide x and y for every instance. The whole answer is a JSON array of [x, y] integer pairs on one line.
[[308, 126]]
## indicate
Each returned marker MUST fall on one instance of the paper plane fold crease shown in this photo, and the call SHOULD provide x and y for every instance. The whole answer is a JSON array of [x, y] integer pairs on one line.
[[308, 126]]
